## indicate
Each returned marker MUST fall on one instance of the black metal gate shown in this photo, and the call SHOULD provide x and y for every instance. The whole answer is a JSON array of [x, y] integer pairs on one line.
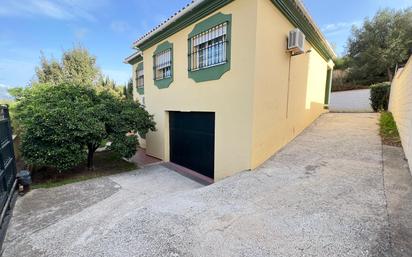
[[7, 162], [192, 141]]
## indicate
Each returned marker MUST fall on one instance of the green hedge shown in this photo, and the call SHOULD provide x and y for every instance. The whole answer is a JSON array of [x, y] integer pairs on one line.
[[380, 96]]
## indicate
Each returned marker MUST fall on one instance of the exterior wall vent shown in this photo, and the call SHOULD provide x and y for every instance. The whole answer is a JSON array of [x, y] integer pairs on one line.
[[296, 41]]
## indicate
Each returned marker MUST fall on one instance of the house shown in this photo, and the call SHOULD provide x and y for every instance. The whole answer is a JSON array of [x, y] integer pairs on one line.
[[230, 82]]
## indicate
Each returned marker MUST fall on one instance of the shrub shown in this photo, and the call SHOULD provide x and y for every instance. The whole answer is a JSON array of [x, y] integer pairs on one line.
[[62, 125], [380, 96]]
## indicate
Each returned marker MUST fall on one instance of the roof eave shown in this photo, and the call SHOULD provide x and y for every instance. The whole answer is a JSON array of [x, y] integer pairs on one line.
[[309, 17], [294, 10], [188, 8], [133, 58]]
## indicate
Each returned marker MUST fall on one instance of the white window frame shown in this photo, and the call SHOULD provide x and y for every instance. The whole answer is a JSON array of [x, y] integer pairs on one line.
[[140, 78], [163, 65], [209, 48]]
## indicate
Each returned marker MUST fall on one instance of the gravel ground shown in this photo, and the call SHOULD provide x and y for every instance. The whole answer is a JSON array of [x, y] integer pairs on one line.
[[324, 194]]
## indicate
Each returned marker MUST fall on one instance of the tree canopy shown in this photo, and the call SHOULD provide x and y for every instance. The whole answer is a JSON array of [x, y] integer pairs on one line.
[[379, 45], [128, 90], [63, 125], [77, 66]]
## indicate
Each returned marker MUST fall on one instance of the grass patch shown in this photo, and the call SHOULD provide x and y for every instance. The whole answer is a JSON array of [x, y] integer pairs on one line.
[[106, 163], [388, 130]]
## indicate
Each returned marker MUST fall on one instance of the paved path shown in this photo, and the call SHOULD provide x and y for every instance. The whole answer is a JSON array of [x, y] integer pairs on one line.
[[350, 101], [398, 190], [325, 194]]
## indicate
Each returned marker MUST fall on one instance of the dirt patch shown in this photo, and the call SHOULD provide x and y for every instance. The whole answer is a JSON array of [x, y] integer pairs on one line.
[[106, 163]]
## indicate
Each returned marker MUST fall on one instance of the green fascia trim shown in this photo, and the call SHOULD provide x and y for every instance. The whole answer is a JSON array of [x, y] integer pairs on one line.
[[214, 72], [287, 7], [296, 17], [163, 83], [140, 90], [210, 22], [198, 13], [163, 47], [210, 73], [136, 60]]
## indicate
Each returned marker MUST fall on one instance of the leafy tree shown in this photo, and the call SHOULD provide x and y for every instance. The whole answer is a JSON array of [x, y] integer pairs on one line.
[[128, 90], [50, 71], [125, 92], [106, 82], [16, 92], [77, 66], [341, 63], [63, 125], [379, 45]]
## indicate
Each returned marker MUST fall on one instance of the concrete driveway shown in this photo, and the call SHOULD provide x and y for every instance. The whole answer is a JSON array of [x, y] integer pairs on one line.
[[351, 101], [326, 194]]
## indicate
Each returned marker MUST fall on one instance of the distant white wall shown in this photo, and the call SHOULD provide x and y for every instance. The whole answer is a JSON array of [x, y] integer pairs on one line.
[[401, 106], [350, 101]]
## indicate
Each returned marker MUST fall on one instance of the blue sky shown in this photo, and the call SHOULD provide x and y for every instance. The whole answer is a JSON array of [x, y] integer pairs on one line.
[[108, 28]]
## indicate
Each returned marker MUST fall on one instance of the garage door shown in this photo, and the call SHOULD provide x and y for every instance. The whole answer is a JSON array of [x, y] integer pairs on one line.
[[192, 141]]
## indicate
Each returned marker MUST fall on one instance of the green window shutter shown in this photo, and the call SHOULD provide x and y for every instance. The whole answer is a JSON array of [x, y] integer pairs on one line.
[[217, 71]]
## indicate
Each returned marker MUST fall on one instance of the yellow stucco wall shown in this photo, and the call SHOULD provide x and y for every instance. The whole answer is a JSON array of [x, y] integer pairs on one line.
[[401, 106], [135, 94], [229, 97], [137, 97], [259, 108], [288, 91]]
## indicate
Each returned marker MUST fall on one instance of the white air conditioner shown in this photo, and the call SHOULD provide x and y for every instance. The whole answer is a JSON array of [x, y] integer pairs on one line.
[[296, 41]]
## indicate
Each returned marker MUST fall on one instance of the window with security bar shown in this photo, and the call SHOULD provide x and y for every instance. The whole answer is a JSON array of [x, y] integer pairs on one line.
[[208, 48], [140, 78], [163, 64]]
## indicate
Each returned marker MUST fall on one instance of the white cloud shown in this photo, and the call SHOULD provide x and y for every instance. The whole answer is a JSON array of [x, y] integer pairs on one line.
[[391, 3], [119, 26], [339, 27], [61, 9], [3, 92]]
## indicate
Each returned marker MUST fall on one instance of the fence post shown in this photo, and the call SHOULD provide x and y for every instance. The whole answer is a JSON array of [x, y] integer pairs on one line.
[[6, 115], [5, 112], [2, 113], [11, 142]]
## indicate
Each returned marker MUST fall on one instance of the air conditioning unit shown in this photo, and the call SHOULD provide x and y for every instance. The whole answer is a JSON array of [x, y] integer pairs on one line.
[[296, 41]]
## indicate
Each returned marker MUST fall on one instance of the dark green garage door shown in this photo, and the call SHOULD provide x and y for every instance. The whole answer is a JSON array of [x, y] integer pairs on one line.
[[192, 141]]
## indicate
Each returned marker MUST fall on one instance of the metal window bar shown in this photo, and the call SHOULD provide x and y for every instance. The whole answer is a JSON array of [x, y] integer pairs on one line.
[[163, 65], [208, 48], [140, 78]]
